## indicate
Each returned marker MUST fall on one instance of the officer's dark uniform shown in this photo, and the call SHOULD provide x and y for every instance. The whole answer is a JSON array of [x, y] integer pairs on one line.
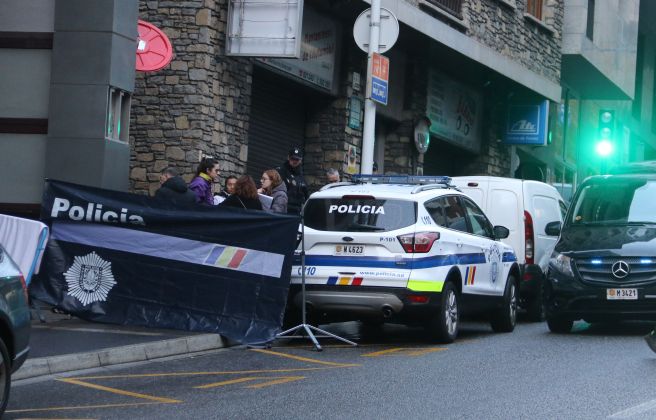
[[297, 191]]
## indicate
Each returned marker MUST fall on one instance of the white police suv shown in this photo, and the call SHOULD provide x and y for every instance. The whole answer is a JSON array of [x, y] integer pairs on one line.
[[407, 249]]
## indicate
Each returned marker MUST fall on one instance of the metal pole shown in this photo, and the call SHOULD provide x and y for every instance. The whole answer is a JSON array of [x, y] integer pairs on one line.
[[368, 135]]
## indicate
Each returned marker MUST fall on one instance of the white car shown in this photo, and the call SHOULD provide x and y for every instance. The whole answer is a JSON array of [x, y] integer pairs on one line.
[[404, 249]]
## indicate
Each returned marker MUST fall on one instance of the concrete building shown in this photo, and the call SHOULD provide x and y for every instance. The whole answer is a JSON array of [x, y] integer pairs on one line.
[[66, 73], [458, 63]]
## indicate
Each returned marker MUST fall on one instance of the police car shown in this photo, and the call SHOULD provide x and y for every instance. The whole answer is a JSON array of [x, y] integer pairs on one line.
[[406, 249]]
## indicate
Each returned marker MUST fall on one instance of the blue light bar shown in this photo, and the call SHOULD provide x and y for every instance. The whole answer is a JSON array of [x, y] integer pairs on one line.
[[646, 261], [595, 261], [401, 179]]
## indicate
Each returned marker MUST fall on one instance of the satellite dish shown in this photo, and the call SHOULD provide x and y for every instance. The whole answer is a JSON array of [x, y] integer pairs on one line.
[[154, 50]]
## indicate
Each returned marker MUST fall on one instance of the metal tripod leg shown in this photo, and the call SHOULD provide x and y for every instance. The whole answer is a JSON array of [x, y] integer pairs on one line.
[[304, 327]]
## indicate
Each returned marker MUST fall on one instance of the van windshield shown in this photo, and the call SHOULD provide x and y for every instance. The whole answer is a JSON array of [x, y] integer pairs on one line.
[[613, 202], [359, 214]]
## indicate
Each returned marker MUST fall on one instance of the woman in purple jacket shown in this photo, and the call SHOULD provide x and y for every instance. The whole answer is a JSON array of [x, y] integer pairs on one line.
[[201, 185]]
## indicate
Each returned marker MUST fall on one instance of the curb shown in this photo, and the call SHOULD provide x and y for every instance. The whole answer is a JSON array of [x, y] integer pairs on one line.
[[43, 366]]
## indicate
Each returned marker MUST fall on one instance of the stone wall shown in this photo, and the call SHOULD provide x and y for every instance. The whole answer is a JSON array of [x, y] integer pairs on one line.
[[507, 30], [197, 105]]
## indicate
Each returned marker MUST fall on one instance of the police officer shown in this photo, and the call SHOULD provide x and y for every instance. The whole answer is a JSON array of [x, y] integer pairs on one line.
[[291, 173]]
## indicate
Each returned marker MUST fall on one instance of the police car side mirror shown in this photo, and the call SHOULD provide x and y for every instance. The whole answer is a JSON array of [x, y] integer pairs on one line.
[[552, 228], [501, 232]]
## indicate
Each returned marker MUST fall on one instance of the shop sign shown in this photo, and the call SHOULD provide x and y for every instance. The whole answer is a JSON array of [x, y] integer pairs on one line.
[[317, 63], [455, 111], [527, 123]]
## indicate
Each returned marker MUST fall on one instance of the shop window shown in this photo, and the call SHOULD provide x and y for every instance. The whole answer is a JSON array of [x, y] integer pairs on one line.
[[534, 8], [118, 115], [589, 26]]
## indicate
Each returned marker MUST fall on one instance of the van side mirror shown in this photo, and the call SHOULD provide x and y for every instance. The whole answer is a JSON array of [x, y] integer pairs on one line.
[[501, 232], [553, 228]]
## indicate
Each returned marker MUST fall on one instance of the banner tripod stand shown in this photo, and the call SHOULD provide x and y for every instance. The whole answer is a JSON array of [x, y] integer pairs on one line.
[[304, 328]]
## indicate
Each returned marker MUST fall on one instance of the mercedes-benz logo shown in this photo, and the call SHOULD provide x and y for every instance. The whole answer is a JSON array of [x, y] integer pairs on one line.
[[620, 269]]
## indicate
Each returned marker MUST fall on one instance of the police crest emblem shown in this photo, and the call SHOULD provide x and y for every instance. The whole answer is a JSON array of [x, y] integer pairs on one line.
[[90, 279]]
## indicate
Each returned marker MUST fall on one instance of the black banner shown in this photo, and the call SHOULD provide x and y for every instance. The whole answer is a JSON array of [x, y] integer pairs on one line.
[[130, 259]]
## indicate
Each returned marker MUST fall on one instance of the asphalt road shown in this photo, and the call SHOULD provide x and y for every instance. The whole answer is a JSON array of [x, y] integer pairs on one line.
[[598, 371]]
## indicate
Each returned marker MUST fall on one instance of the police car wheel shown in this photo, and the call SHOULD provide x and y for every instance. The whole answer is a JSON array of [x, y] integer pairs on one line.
[[505, 317], [443, 326]]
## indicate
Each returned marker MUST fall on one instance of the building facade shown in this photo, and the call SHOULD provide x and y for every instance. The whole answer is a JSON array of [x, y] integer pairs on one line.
[[458, 64]]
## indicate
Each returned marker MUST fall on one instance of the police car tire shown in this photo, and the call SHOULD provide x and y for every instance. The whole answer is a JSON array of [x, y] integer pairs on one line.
[[438, 325], [504, 318], [560, 325]]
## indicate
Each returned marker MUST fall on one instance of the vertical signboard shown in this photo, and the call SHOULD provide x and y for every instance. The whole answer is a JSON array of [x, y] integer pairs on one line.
[[454, 111], [378, 89]]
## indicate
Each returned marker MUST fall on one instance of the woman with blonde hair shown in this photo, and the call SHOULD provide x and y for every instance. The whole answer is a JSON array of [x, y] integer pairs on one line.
[[273, 186]]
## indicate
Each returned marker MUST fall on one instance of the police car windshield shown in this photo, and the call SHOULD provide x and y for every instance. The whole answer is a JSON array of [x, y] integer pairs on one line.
[[359, 214], [610, 202]]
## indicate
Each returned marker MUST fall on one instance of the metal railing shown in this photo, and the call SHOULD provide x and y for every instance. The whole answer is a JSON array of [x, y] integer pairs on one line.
[[452, 7]]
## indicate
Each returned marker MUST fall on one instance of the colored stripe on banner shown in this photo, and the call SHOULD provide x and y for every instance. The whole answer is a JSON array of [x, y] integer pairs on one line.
[[170, 247]]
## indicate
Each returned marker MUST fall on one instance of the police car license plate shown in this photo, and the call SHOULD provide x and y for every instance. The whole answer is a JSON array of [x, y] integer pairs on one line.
[[349, 249], [622, 294]]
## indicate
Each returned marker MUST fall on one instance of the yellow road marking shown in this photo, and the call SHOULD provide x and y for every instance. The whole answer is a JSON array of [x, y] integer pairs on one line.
[[278, 381], [118, 391], [405, 351], [79, 407], [228, 382], [305, 359], [174, 374], [383, 352], [274, 380]]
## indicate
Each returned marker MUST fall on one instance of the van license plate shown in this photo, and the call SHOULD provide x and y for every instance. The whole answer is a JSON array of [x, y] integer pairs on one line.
[[622, 294], [349, 249]]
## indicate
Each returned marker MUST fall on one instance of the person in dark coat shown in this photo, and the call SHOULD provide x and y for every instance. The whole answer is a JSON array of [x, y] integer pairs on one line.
[[245, 195], [273, 186], [291, 173], [173, 188], [201, 185], [229, 186]]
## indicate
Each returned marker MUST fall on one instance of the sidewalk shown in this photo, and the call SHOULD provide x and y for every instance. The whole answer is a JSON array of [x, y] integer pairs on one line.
[[65, 343]]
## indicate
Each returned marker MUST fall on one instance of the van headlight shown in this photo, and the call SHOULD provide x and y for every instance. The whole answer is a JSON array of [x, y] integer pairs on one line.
[[562, 263]]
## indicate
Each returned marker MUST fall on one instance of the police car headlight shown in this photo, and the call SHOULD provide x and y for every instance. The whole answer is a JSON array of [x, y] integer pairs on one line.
[[562, 263]]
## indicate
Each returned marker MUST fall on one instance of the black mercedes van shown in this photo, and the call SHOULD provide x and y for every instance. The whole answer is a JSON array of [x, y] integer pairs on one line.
[[603, 267]]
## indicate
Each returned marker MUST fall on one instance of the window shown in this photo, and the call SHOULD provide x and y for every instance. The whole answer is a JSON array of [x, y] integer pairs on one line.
[[118, 115], [636, 108], [436, 210], [452, 7], [479, 223], [455, 214], [359, 214], [534, 8], [589, 26]]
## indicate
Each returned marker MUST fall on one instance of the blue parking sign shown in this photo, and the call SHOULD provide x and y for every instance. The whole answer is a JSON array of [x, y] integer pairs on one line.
[[379, 90]]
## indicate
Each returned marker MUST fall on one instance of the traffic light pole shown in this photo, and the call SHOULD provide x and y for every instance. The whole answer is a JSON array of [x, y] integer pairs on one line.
[[369, 132]]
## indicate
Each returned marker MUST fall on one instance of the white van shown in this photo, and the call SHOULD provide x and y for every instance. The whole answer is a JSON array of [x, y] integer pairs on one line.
[[525, 208]]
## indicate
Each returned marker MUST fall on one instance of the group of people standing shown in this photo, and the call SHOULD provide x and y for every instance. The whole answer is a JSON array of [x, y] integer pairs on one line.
[[284, 186]]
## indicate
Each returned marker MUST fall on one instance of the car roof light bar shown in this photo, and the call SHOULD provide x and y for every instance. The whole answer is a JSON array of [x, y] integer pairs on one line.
[[402, 179]]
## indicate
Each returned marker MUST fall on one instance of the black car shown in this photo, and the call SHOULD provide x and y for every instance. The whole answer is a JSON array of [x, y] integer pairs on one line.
[[604, 264], [14, 323]]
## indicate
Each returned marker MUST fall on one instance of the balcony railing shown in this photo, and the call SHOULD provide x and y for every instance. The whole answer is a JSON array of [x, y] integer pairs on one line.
[[452, 7]]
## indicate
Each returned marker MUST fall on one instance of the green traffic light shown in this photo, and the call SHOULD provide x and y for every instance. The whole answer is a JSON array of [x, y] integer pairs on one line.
[[604, 148]]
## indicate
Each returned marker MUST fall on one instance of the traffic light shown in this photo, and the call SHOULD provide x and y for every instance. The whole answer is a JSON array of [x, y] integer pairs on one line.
[[606, 132]]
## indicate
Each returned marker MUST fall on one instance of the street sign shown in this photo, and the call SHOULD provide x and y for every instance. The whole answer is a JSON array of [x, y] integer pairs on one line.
[[389, 30], [377, 90]]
